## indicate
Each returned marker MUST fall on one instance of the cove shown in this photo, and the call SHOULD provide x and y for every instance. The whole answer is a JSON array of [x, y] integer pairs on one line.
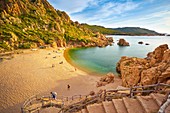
[[97, 60]]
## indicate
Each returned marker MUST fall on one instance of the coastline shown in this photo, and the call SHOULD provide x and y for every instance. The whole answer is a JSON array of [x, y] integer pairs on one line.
[[84, 69], [31, 73]]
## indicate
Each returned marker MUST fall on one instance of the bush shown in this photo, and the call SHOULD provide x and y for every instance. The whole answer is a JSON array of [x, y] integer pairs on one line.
[[26, 45], [4, 46]]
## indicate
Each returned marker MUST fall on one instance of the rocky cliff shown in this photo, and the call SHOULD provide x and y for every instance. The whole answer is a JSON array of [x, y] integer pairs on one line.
[[32, 23], [153, 69]]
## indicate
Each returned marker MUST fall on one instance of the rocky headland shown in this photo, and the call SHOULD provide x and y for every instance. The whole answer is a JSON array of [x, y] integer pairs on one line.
[[155, 68], [33, 23]]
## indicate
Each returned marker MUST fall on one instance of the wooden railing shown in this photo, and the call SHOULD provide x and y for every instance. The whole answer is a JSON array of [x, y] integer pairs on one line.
[[115, 93], [77, 102], [148, 88]]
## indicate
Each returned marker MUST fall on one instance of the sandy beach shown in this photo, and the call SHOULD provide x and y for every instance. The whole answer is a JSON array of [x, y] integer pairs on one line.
[[40, 72]]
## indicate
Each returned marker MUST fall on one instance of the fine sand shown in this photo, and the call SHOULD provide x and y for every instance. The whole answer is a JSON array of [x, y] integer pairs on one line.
[[38, 73]]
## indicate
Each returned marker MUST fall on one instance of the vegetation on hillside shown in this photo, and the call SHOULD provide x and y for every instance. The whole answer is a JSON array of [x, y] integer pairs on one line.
[[136, 31], [101, 29], [32, 23], [120, 31]]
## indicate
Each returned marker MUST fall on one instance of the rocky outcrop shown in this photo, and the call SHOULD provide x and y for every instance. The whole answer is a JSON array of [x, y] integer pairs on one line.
[[130, 69], [122, 42], [109, 78], [153, 69]]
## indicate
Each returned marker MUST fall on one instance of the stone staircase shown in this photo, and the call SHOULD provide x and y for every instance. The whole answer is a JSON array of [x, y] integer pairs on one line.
[[141, 104]]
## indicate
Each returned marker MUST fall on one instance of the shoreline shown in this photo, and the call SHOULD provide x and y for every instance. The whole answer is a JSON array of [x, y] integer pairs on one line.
[[31, 73], [84, 69]]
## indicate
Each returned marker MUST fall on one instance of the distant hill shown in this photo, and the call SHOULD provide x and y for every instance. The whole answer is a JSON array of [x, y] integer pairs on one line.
[[121, 31], [101, 29], [136, 31]]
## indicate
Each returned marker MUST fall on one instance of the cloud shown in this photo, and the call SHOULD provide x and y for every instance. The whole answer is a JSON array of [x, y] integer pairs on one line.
[[166, 20], [106, 10], [118, 13], [72, 6], [158, 21]]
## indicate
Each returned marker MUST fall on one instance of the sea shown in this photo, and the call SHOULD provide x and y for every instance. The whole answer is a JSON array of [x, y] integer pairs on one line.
[[101, 61]]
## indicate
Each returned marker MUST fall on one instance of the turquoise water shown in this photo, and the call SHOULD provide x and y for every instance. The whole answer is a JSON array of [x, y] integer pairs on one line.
[[103, 60]]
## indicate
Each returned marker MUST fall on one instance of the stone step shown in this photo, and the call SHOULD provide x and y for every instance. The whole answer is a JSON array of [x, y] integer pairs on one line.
[[159, 98], [133, 105], [148, 103], [109, 107], [84, 111], [95, 108], [119, 106]]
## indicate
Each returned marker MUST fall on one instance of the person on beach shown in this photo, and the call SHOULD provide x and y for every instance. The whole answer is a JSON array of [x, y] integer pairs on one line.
[[53, 65], [68, 87], [54, 95]]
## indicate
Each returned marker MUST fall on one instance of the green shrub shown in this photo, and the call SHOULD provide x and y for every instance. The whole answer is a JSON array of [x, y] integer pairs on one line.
[[26, 45], [5, 46]]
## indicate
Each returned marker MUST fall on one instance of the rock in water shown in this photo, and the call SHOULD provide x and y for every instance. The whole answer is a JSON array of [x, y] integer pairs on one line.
[[150, 70], [122, 42], [140, 42]]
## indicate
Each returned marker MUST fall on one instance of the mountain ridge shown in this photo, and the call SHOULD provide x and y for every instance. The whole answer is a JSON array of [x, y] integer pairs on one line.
[[136, 31], [121, 31]]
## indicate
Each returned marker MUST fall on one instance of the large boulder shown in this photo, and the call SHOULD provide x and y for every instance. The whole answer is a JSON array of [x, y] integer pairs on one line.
[[158, 53], [122, 42], [153, 69], [165, 76], [149, 76], [130, 69], [109, 78]]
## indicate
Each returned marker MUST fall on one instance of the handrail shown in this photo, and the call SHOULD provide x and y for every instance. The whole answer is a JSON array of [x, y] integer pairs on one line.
[[89, 99], [156, 86], [132, 91]]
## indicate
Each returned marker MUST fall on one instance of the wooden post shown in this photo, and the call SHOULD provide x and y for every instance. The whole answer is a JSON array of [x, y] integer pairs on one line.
[[157, 87], [131, 92], [22, 111]]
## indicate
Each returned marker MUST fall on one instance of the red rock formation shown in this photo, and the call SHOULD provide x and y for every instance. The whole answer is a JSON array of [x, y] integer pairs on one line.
[[109, 78], [153, 69]]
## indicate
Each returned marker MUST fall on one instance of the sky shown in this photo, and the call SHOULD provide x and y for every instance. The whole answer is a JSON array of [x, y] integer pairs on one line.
[[150, 14]]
